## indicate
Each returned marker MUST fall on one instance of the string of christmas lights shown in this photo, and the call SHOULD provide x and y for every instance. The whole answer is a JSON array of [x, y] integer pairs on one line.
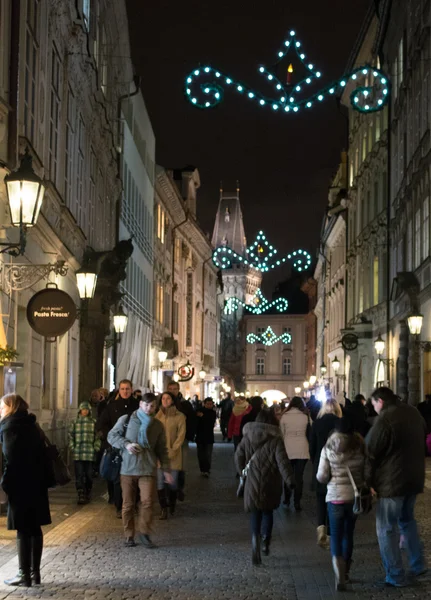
[[268, 337], [259, 254], [258, 305], [371, 93]]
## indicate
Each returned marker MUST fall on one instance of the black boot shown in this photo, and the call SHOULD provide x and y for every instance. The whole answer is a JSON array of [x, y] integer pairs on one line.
[[36, 556], [266, 540], [23, 578], [81, 497], [172, 501], [163, 504], [255, 546]]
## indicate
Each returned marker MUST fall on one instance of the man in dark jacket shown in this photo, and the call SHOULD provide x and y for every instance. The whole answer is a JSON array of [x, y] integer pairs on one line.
[[226, 406], [357, 415], [121, 404], [186, 408], [396, 447], [206, 418]]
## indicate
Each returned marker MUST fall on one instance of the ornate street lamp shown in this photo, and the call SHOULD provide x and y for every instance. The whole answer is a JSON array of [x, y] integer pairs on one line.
[[120, 320], [415, 322], [306, 385], [297, 390], [86, 280], [379, 345], [336, 364], [25, 191], [312, 380], [163, 355], [323, 369], [202, 374]]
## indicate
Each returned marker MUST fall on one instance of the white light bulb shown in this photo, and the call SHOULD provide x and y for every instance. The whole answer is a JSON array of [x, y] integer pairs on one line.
[[262, 102], [283, 99], [251, 95], [287, 43], [194, 100], [291, 99], [379, 102], [366, 107], [364, 71], [383, 80], [287, 108], [354, 76], [356, 99], [261, 69], [189, 91], [375, 73], [342, 83], [217, 95], [278, 86], [318, 74], [298, 44], [189, 80], [331, 91], [207, 90], [228, 80], [298, 88], [292, 33], [308, 80], [270, 77], [310, 66], [320, 97], [280, 54], [207, 69], [302, 56], [385, 92], [218, 74], [239, 88], [296, 109], [197, 72], [207, 104]]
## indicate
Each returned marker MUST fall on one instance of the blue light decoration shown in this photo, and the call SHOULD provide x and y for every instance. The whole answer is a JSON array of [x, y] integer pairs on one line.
[[259, 256], [371, 93], [258, 305], [268, 338]]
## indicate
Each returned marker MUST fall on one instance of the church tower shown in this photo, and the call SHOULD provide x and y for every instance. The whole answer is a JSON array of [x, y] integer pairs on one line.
[[239, 280]]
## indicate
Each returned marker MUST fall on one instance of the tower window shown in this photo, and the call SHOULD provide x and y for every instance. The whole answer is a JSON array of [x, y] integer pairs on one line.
[[227, 215]]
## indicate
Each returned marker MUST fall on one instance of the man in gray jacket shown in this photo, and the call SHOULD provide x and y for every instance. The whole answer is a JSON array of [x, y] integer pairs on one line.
[[142, 442], [396, 449]]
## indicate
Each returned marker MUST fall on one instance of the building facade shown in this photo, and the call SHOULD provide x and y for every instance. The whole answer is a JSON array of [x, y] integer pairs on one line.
[[275, 354], [186, 309], [60, 82]]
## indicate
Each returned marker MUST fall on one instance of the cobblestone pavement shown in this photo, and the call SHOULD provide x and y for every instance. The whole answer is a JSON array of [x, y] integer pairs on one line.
[[203, 551]]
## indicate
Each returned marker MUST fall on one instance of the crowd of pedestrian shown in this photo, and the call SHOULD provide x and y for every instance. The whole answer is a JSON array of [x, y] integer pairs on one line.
[[357, 449]]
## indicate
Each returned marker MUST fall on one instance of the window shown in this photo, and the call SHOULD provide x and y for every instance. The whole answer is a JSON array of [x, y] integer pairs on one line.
[[417, 238], [92, 195], [260, 365], [69, 148], [159, 302], [287, 366], [167, 309], [103, 74], [160, 223], [426, 229], [409, 249], [375, 280], [86, 13], [175, 317], [31, 69], [177, 252], [80, 175], [54, 115]]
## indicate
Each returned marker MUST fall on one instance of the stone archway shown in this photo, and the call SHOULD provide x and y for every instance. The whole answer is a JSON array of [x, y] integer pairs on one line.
[[272, 396]]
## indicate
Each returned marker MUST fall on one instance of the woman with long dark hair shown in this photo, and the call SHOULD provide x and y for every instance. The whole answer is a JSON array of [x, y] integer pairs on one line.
[[294, 424], [25, 480]]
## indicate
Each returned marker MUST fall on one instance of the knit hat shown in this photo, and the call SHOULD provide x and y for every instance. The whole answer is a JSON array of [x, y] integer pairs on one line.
[[84, 405]]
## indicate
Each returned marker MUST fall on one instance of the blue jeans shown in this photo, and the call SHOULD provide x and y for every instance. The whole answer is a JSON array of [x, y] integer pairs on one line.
[[261, 522], [395, 516], [342, 521]]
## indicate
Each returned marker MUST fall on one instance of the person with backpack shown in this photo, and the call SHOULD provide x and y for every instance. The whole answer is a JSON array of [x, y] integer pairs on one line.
[[262, 449]]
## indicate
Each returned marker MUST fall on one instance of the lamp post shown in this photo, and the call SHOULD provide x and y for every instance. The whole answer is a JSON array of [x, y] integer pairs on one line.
[[120, 321], [25, 191]]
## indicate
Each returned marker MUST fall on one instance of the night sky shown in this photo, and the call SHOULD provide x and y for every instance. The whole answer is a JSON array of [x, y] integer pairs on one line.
[[284, 163]]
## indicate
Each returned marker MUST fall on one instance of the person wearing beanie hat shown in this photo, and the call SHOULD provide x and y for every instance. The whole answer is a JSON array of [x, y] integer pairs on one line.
[[83, 444]]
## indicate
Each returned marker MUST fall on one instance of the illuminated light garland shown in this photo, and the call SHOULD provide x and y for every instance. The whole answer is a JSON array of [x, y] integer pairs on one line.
[[223, 257], [258, 305], [367, 97], [268, 338]]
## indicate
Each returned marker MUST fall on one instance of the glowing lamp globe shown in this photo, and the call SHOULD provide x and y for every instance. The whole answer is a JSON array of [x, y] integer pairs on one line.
[[176, 377], [312, 380], [336, 364], [297, 390], [323, 369], [163, 355], [202, 374], [306, 385], [86, 280], [379, 345], [415, 323], [25, 192], [120, 321]]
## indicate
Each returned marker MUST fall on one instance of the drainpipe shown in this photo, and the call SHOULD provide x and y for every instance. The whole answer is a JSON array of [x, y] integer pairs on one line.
[[14, 88]]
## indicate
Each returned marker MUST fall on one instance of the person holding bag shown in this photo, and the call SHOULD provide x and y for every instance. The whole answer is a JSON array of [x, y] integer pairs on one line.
[[25, 480], [342, 460], [262, 450]]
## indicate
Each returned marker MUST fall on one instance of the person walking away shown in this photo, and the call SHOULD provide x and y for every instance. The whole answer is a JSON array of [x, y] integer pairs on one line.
[[185, 407], [174, 423], [226, 406], [119, 405], [313, 406], [256, 403], [84, 444], [26, 478], [294, 425], [206, 418], [396, 448], [325, 423], [240, 408], [343, 452], [142, 443], [358, 415], [269, 467]]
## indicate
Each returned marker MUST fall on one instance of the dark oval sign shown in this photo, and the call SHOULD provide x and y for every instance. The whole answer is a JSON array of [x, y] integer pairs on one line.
[[51, 312]]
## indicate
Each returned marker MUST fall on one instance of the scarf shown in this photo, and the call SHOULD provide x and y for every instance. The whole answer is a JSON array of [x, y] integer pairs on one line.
[[145, 421], [239, 408]]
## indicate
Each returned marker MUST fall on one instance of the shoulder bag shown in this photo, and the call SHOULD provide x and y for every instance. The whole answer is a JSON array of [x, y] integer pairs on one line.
[[110, 465], [58, 473], [363, 497], [244, 473]]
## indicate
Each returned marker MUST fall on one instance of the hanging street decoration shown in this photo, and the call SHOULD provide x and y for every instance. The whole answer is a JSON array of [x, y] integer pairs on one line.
[[186, 372], [259, 256], [258, 305], [205, 85], [268, 338]]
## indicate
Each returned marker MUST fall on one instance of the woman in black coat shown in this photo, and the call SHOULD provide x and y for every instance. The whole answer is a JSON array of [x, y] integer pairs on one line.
[[327, 419], [25, 481]]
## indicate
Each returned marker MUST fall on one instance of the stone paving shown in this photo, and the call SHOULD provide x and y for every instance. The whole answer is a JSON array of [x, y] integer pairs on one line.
[[203, 551]]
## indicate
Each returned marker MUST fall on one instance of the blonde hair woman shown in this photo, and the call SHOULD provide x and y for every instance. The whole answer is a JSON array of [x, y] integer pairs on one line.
[[25, 480], [325, 423]]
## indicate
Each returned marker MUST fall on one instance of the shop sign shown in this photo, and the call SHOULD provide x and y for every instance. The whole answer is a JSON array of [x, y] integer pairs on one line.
[[51, 312]]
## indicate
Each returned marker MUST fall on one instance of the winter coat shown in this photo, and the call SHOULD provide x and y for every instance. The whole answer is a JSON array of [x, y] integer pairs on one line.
[[293, 425], [234, 426], [250, 417], [26, 472], [341, 451], [226, 407], [174, 423], [269, 466], [358, 415], [396, 447], [320, 432], [144, 463], [83, 440], [205, 426], [113, 411]]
